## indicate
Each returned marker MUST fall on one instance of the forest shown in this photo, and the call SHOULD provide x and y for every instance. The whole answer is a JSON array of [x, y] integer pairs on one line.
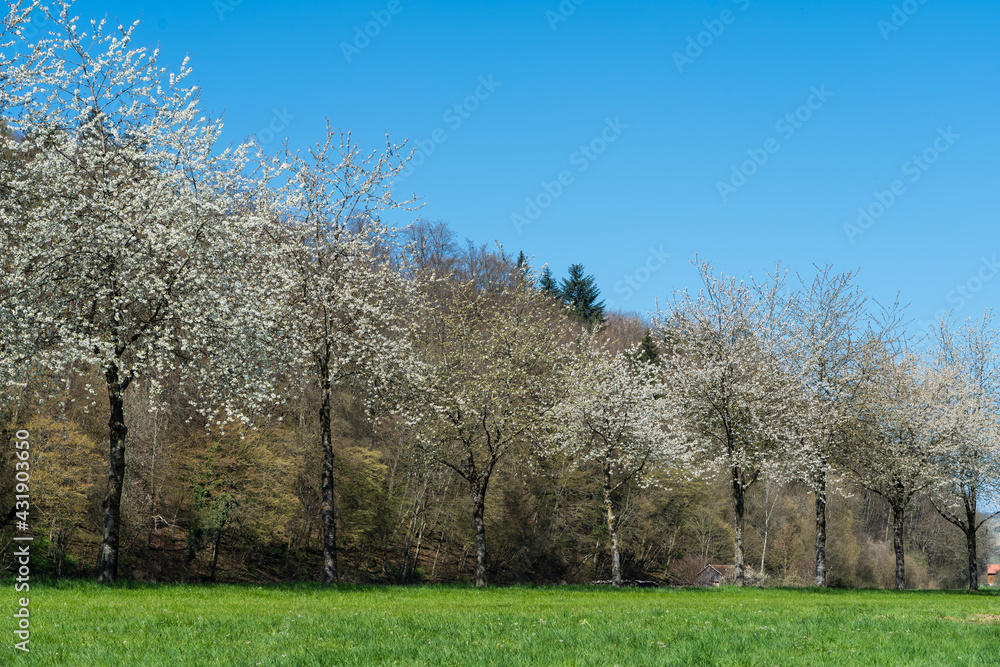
[[233, 363]]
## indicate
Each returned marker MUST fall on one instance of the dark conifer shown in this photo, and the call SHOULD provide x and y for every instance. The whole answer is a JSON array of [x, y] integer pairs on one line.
[[581, 293]]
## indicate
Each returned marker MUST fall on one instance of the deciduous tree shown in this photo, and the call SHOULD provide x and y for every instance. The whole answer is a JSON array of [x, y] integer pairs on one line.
[[969, 461], [820, 344], [126, 221], [346, 311], [619, 416], [492, 357], [738, 400], [902, 415]]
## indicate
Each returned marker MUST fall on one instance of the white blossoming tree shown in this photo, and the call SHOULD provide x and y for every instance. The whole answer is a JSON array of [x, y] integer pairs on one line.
[[346, 311], [969, 462], [618, 415], [492, 356], [18, 336], [123, 225], [819, 347], [737, 399], [902, 414]]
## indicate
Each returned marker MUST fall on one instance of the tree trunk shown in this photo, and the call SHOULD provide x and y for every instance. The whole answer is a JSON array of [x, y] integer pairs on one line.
[[437, 553], [739, 509], [407, 545], [330, 573], [215, 553], [970, 543], [479, 525], [58, 547], [821, 530], [406, 562], [616, 566], [763, 550], [418, 508], [416, 554], [107, 564], [897, 545]]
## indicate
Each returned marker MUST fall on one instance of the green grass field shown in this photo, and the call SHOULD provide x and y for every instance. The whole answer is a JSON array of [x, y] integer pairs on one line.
[[76, 623]]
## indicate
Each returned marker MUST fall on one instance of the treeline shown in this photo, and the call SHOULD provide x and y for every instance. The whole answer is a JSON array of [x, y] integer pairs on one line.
[[229, 366]]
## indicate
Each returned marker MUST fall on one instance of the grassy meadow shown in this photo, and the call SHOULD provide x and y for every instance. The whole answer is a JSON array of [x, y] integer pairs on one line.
[[81, 623]]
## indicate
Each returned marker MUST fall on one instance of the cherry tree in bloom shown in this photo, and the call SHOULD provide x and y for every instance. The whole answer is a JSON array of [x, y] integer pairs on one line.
[[492, 355], [18, 336], [968, 464], [736, 398], [345, 310], [903, 413], [14, 61], [819, 344], [124, 227], [618, 415]]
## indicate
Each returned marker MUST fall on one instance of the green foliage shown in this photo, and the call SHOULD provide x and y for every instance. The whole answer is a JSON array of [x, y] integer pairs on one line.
[[580, 292], [648, 350], [214, 504], [362, 511], [61, 479], [548, 284]]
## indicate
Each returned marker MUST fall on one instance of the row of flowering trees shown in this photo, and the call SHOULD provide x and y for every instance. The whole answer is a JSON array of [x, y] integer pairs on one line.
[[810, 384], [136, 247]]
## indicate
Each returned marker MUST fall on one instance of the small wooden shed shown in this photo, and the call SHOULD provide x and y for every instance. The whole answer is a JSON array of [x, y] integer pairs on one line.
[[993, 574], [713, 575]]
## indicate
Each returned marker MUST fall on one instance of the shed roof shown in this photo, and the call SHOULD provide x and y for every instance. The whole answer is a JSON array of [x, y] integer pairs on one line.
[[723, 569], [993, 569]]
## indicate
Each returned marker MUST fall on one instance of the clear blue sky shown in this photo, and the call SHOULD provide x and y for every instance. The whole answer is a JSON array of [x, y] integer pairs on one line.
[[885, 83]]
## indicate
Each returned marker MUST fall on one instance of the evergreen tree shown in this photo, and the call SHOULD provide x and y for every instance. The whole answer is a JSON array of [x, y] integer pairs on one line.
[[581, 293], [548, 284], [648, 350], [524, 270]]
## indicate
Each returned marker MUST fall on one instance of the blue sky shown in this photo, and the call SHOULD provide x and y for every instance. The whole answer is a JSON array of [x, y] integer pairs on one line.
[[746, 131]]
